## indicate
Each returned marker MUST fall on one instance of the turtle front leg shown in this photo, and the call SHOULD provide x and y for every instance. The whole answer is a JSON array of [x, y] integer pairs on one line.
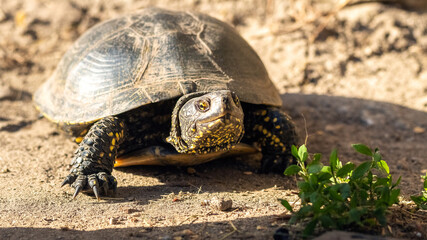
[[274, 131], [94, 159]]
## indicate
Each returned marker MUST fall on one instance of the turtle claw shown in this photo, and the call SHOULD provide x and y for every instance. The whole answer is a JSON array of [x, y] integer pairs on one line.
[[95, 182], [96, 192], [65, 182], [68, 180], [78, 189], [104, 180]]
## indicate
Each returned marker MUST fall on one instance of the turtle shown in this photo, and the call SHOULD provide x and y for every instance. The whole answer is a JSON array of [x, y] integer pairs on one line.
[[163, 87]]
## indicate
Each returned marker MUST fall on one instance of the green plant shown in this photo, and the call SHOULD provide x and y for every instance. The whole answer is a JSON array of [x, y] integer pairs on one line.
[[342, 196], [421, 201]]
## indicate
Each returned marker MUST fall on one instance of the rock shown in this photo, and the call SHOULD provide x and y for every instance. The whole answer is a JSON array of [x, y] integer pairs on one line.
[[222, 204]]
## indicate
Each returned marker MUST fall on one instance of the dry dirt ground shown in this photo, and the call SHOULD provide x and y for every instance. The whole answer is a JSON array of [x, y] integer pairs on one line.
[[355, 72]]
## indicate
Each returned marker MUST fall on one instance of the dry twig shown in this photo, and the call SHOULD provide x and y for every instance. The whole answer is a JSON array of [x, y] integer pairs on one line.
[[230, 233]]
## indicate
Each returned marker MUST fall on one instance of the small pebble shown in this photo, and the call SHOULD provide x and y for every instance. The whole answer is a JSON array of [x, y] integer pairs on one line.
[[419, 129], [222, 204], [113, 221]]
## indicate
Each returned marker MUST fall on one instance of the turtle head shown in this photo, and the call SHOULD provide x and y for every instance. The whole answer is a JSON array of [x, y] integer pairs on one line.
[[205, 122]]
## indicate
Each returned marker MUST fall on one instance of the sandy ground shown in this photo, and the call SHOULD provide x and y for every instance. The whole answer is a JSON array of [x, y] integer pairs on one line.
[[355, 74]]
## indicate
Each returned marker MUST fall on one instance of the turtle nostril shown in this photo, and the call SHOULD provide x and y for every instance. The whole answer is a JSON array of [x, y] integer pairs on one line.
[[226, 100]]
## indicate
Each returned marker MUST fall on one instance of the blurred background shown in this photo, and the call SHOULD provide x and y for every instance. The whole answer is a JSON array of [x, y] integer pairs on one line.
[[367, 49], [349, 71]]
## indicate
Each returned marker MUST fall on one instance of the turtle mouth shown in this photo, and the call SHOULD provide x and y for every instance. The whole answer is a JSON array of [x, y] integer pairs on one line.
[[226, 126], [221, 121], [225, 117]]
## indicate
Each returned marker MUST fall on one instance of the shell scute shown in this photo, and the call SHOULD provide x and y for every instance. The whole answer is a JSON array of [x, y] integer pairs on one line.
[[151, 56]]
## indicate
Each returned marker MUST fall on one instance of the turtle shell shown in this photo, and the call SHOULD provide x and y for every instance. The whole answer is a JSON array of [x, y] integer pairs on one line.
[[147, 57]]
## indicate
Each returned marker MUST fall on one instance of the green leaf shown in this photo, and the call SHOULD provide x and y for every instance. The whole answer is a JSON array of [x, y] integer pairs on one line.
[[326, 169], [385, 195], [345, 190], [363, 149], [313, 196], [370, 177], [420, 201], [363, 197], [317, 157], [380, 215], [304, 156], [333, 160], [339, 164], [314, 168], [309, 228], [355, 214], [294, 151], [292, 170], [417, 199], [354, 202], [383, 166], [305, 211], [302, 153], [323, 176], [313, 181], [361, 170], [397, 182], [394, 197], [338, 195], [333, 193], [286, 204], [327, 221], [317, 202], [377, 156], [381, 182], [305, 198], [345, 170], [304, 186]]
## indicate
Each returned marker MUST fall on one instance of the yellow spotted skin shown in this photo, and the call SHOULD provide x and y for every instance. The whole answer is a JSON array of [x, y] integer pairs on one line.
[[214, 125], [102, 141], [94, 158], [274, 131]]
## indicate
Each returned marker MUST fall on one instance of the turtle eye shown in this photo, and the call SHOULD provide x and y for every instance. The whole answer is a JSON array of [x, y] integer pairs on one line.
[[202, 105]]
